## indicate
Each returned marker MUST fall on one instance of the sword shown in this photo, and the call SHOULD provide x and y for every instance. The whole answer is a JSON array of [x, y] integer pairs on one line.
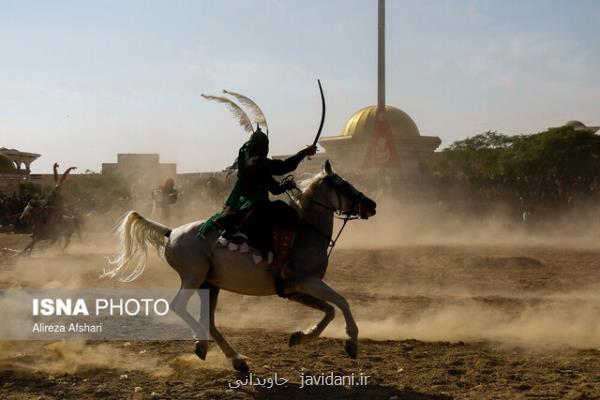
[[322, 113]]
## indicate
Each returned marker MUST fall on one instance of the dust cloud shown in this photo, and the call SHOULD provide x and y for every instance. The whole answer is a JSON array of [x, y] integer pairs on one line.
[[411, 272], [405, 224], [551, 325], [77, 356]]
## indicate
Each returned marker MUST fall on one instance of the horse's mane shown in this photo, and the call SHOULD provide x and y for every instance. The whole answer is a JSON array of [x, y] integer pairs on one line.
[[308, 187]]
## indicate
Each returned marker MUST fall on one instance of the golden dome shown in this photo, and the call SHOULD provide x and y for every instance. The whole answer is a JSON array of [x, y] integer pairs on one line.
[[363, 122], [6, 165], [575, 124]]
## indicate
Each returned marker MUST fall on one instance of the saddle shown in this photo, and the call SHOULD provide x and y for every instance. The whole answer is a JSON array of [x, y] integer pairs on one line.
[[242, 231]]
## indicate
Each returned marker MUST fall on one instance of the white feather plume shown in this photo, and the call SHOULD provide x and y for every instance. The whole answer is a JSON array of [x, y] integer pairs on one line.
[[237, 111], [255, 110]]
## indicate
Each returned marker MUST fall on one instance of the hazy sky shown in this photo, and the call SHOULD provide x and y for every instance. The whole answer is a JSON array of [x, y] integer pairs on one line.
[[83, 80]]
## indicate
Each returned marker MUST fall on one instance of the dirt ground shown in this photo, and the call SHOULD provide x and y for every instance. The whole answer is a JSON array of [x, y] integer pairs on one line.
[[436, 322]]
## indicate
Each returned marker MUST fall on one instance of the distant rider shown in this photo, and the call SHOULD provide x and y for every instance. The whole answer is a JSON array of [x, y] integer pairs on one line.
[[164, 197]]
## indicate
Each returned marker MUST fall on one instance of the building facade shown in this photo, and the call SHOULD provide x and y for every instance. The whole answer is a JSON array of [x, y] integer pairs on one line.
[[140, 169], [15, 167]]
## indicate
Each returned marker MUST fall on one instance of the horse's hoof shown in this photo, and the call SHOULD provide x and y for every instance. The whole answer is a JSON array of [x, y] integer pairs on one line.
[[352, 348], [201, 349], [295, 339], [240, 365]]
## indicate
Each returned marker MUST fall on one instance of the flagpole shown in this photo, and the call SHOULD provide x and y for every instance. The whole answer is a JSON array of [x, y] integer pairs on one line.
[[381, 58]]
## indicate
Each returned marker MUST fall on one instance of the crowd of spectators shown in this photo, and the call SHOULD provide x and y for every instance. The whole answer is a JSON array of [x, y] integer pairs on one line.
[[558, 194], [520, 199], [11, 208]]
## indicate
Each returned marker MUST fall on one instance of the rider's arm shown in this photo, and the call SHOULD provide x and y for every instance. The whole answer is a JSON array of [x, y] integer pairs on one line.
[[282, 167]]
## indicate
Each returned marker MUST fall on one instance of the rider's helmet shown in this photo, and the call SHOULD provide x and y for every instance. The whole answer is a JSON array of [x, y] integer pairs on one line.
[[258, 145]]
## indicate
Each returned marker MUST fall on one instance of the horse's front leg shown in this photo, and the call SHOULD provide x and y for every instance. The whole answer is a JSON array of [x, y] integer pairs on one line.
[[67, 240], [77, 229], [319, 289], [238, 361], [29, 247], [312, 333]]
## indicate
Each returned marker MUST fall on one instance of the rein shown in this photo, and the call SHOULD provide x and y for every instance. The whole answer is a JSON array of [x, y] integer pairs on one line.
[[332, 241], [337, 214]]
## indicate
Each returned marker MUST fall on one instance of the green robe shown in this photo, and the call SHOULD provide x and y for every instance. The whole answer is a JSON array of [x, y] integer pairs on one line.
[[254, 179]]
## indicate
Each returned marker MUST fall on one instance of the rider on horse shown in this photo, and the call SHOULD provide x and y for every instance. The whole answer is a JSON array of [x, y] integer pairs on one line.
[[249, 204], [164, 196], [55, 202], [271, 225]]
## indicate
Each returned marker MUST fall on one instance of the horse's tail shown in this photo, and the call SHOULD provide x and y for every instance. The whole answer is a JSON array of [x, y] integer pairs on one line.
[[136, 234]]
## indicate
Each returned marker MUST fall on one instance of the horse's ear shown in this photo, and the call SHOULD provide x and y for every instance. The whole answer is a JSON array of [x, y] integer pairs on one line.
[[326, 168]]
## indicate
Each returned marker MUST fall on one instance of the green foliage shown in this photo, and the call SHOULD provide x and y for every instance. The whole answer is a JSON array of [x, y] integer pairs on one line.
[[561, 152], [556, 153], [477, 156]]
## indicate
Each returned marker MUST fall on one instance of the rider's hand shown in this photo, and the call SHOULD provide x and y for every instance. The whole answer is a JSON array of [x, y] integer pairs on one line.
[[289, 184], [310, 150]]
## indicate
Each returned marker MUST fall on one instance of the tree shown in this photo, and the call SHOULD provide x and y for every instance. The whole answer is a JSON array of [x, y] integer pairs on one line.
[[475, 157], [555, 153]]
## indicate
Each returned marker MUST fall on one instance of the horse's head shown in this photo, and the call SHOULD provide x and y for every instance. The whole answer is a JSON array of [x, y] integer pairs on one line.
[[335, 193]]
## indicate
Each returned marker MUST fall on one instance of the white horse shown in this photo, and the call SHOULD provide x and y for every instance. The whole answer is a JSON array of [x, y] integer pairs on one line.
[[200, 263]]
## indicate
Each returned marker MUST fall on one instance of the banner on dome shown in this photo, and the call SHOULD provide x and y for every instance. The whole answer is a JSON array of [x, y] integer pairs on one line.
[[381, 150]]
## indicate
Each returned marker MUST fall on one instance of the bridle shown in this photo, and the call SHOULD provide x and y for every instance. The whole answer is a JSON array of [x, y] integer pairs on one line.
[[338, 187], [345, 216]]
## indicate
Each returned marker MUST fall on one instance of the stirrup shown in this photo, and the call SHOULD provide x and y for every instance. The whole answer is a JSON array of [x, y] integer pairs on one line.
[[287, 272]]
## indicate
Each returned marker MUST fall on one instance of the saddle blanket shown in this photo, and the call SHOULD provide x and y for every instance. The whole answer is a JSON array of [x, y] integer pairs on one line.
[[239, 242]]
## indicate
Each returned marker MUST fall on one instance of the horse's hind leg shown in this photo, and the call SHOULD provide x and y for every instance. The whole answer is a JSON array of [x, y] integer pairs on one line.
[[312, 333], [179, 306], [237, 359], [202, 345], [319, 289]]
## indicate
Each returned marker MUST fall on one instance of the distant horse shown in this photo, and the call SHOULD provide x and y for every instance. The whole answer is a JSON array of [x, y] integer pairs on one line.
[[49, 227], [200, 263]]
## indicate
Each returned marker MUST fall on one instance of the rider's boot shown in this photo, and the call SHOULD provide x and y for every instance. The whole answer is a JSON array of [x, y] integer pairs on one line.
[[283, 242]]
